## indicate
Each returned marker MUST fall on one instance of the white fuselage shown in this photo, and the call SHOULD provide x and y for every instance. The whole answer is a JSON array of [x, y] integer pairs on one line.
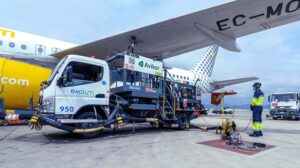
[[183, 76], [12, 41]]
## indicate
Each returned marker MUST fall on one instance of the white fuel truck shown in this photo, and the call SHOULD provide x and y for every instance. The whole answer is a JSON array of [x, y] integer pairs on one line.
[[85, 95], [285, 105]]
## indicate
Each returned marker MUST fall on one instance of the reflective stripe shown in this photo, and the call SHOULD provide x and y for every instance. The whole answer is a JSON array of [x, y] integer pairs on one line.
[[257, 126], [258, 101]]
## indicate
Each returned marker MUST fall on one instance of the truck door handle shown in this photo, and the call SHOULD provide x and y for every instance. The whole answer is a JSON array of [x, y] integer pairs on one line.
[[100, 95]]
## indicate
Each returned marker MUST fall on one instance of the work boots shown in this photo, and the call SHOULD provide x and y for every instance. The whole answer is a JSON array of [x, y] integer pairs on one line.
[[256, 134]]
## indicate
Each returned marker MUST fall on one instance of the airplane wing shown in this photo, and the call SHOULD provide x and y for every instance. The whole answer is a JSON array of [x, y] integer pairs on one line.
[[218, 25], [221, 84], [40, 60], [44, 60]]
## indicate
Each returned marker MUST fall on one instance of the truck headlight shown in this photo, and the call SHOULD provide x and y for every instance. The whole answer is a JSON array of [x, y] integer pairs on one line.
[[48, 105]]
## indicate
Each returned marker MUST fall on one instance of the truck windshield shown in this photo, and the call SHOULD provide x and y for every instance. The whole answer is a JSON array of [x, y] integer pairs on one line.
[[284, 97], [55, 71]]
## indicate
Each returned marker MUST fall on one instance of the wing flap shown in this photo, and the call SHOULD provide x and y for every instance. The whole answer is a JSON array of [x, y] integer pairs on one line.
[[221, 84]]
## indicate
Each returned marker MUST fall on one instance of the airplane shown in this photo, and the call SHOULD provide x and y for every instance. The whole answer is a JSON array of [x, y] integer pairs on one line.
[[220, 25]]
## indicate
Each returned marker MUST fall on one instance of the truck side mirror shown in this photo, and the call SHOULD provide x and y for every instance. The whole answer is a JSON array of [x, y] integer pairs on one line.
[[60, 82], [67, 76]]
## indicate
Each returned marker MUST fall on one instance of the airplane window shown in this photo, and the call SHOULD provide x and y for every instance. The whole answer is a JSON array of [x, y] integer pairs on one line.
[[12, 45], [177, 76], [180, 77], [1, 42], [40, 50], [173, 76], [54, 50], [188, 78], [23, 46], [184, 77]]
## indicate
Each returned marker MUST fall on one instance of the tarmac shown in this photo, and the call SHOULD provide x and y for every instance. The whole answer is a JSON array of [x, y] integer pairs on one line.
[[149, 147]]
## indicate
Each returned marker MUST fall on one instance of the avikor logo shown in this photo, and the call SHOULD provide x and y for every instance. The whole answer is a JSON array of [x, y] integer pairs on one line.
[[150, 66], [14, 81], [141, 64]]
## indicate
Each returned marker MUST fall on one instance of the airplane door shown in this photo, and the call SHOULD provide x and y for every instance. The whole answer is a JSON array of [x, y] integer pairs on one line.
[[40, 49]]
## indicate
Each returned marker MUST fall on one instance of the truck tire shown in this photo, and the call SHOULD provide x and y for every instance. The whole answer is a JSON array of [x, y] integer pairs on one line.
[[88, 115], [183, 121]]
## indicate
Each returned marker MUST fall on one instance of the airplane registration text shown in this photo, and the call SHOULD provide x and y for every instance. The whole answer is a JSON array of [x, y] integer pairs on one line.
[[271, 11]]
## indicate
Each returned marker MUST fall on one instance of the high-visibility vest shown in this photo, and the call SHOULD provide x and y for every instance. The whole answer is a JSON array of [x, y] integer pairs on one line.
[[258, 98]]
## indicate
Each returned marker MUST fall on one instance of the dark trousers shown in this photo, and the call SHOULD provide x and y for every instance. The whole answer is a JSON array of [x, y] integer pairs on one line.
[[257, 119]]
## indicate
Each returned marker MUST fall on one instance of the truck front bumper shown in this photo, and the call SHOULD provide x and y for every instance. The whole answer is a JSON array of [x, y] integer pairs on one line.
[[285, 115]]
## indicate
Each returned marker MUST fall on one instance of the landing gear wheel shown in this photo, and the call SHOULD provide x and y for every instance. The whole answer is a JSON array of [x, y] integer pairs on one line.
[[183, 121], [88, 115]]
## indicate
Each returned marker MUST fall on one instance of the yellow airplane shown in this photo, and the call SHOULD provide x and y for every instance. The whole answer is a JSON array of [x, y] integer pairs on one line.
[[24, 64], [19, 82]]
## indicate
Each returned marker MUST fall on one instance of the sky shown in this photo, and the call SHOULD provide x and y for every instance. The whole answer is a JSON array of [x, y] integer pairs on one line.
[[272, 55]]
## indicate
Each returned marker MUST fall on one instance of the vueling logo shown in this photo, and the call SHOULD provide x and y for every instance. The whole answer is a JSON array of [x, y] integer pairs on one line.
[[5, 32], [14, 81], [150, 66]]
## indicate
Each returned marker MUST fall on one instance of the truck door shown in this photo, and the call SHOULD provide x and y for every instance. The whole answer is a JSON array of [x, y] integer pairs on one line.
[[85, 84]]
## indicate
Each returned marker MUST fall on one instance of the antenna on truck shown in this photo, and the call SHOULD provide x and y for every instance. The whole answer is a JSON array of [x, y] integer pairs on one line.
[[133, 43]]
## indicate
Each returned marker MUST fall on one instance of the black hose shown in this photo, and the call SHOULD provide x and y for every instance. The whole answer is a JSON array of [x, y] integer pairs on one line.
[[56, 124], [25, 116], [59, 125], [16, 116], [2, 116], [131, 119]]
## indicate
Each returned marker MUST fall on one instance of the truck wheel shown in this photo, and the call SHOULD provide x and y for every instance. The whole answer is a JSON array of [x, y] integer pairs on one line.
[[183, 120], [88, 115]]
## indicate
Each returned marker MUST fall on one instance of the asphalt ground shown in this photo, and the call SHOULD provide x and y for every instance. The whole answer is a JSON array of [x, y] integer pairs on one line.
[[148, 147]]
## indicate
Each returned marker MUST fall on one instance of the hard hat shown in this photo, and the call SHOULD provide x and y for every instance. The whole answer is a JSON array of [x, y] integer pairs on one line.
[[257, 85]]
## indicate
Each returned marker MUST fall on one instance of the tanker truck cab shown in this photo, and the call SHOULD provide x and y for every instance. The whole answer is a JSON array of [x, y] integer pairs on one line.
[[285, 105], [76, 82]]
